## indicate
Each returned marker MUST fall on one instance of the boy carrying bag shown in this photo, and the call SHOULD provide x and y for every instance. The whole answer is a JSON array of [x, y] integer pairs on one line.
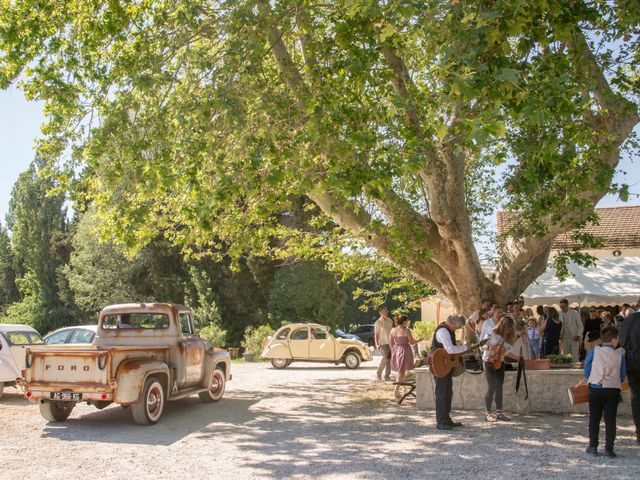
[[605, 369]]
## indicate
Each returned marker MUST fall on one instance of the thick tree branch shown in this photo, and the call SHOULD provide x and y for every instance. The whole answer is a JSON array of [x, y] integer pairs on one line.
[[443, 176], [523, 260], [358, 222]]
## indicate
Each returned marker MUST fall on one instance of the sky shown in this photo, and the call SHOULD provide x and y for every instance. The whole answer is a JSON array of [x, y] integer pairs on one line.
[[20, 122]]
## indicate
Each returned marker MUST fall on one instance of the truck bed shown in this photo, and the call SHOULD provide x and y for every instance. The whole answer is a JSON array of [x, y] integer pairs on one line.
[[81, 368]]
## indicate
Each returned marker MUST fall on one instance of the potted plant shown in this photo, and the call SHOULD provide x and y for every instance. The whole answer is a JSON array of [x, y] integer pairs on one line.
[[254, 341], [560, 361]]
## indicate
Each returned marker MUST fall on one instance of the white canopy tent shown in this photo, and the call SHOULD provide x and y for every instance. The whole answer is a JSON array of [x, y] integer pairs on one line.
[[613, 281]]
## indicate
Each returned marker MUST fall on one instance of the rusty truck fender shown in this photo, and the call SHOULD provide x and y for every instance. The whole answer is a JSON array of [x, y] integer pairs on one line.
[[216, 358], [131, 376]]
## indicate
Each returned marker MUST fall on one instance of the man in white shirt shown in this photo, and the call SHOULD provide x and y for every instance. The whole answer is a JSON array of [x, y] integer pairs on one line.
[[382, 330], [444, 337], [571, 330]]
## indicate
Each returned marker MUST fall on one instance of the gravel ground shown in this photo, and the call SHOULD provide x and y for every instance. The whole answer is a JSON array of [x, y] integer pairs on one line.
[[308, 421]]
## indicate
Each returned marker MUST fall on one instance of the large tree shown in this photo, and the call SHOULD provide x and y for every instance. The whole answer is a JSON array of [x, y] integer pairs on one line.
[[404, 123], [37, 223], [8, 287]]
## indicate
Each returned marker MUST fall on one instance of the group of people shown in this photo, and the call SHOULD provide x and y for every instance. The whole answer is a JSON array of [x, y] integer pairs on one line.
[[606, 365]]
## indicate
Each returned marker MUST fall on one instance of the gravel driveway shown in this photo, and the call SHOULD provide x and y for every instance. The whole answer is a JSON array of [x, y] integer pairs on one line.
[[307, 421]]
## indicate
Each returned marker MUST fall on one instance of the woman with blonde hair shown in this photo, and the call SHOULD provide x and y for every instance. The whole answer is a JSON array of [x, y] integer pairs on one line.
[[607, 320], [502, 337]]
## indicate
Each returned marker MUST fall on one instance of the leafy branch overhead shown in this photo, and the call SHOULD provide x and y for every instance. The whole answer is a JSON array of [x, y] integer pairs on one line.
[[403, 125]]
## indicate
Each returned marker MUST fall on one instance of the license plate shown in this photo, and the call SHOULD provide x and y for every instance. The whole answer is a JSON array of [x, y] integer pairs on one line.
[[66, 396]]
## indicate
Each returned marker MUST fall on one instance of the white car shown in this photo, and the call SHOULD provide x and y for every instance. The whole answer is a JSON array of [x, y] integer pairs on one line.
[[14, 340], [78, 334]]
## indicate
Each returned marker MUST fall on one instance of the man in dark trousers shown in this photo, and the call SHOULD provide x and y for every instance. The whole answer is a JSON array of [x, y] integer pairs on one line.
[[444, 337], [631, 343]]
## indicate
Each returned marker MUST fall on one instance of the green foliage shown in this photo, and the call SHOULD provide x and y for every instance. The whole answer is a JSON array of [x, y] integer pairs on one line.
[[37, 221], [563, 358], [216, 118], [423, 330], [205, 310], [100, 273], [8, 287], [214, 334], [255, 338], [33, 310], [306, 292]]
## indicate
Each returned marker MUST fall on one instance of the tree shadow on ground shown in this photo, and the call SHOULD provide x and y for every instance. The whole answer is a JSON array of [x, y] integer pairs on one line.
[[180, 419], [331, 436]]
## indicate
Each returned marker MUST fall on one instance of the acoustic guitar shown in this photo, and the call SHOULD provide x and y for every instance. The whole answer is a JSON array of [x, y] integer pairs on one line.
[[441, 362]]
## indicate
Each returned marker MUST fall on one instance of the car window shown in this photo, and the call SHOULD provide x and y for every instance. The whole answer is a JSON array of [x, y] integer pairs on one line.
[[283, 334], [136, 320], [80, 335], [36, 338], [58, 337], [185, 323], [319, 333], [300, 334], [18, 338]]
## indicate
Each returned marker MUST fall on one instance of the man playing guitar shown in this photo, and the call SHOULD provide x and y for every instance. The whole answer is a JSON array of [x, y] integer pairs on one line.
[[444, 337]]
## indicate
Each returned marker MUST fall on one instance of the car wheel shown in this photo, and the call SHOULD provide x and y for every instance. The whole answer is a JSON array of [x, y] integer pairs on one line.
[[217, 387], [149, 409], [352, 360], [56, 411], [1, 389], [280, 362]]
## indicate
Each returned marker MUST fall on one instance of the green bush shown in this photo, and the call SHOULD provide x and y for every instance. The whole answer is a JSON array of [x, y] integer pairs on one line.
[[423, 330], [256, 338], [214, 334], [567, 358]]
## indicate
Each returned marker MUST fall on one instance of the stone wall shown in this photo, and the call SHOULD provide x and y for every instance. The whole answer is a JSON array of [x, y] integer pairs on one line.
[[547, 392]]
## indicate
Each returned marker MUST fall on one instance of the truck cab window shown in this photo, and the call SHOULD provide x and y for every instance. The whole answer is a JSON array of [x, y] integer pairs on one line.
[[185, 323]]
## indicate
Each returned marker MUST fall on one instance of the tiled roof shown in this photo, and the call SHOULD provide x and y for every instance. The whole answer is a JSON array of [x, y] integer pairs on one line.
[[619, 227]]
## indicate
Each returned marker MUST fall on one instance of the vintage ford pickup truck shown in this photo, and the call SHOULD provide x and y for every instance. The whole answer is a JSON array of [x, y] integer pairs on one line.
[[142, 356]]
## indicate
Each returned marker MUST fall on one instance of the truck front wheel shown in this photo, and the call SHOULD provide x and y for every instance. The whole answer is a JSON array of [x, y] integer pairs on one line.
[[151, 405], [216, 389], [56, 411]]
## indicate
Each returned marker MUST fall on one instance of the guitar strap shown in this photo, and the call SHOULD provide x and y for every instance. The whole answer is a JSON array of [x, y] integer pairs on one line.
[[522, 374]]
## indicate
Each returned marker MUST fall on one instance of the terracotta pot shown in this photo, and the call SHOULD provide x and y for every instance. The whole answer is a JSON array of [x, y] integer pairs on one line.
[[233, 352], [539, 364], [249, 357]]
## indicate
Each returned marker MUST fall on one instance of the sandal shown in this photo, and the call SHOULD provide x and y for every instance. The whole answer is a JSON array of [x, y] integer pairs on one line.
[[502, 417], [490, 417]]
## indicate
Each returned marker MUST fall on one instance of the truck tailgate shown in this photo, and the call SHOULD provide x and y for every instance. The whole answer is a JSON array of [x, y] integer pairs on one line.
[[61, 366]]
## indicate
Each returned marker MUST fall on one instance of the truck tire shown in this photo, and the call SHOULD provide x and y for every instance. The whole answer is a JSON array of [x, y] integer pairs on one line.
[[151, 405], [280, 363], [56, 411], [352, 360], [217, 387]]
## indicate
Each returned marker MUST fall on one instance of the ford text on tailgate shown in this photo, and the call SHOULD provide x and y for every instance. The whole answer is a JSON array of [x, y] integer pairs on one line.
[[143, 355]]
